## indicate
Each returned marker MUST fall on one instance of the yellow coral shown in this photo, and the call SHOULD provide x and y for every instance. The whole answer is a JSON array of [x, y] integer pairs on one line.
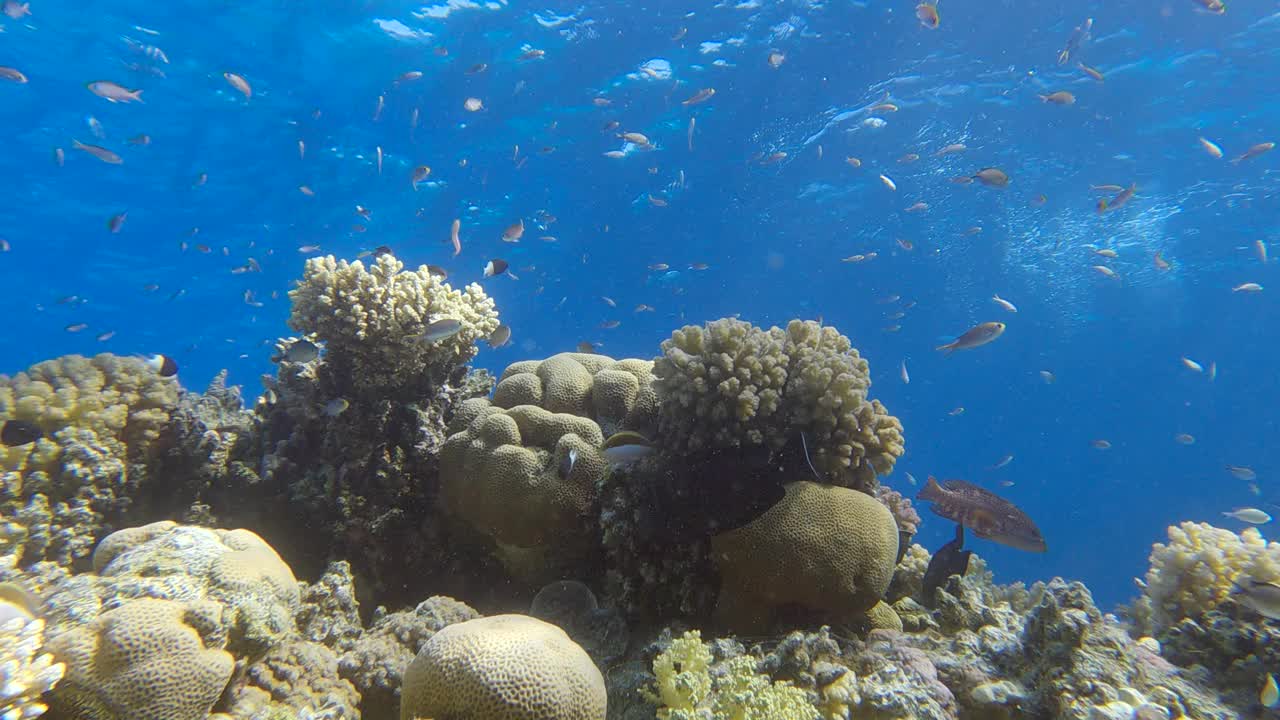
[[686, 689], [25, 673], [505, 471], [821, 546], [1194, 572], [371, 321], [505, 667], [617, 394]]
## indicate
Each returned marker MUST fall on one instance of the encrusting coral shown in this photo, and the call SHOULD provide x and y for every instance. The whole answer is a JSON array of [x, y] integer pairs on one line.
[[822, 547], [508, 473], [730, 384], [504, 667], [372, 321], [101, 419]]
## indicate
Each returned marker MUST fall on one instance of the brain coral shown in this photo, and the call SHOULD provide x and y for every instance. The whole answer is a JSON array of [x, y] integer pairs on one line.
[[617, 394], [1195, 571], [101, 418], [504, 472], [505, 667], [371, 321], [730, 383], [145, 660], [823, 547]]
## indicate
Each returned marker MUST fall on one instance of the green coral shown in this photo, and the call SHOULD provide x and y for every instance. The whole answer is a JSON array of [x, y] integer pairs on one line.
[[102, 419], [504, 471], [617, 394], [371, 321], [730, 384], [690, 687]]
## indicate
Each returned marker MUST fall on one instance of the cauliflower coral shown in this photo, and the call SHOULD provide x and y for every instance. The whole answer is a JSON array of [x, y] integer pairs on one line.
[[729, 384], [1195, 571], [372, 321]]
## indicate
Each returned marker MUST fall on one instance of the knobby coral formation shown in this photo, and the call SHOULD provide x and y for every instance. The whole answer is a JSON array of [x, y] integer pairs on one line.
[[505, 667], [102, 419], [730, 384], [616, 394], [26, 673]]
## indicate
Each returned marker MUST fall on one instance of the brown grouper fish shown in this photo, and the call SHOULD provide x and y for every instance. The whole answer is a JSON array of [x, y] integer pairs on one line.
[[988, 515]]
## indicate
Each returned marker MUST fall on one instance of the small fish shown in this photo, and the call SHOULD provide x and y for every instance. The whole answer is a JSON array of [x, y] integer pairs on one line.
[[635, 138], [532, 54], [1262, 598], [1211, 147], [114, 92], [1047, 377], [308, 249], [302, 150], [513, 232], [566, 464], [1260, 249], [1061, 97], [902, 372], [992, 177], [1255, 151], [1161, 264], [643, 308], [1004, 303], [927, 14], [438, 271], [917, 207], [12, 75], [117, 222], [441, 330], [420, 173], [1184, 439], [610, 324], [628, 454], [1091, 71], [495, 267], [409, 77], [1215, 7], [988, 515], [336, 407], [609, 301], [300, 351], [950, 559], [141, 140], [1002, 462], [852, 161], [103, 337], [162, 365], [1249, 287], [1242, 472], [1106, 271], [886, 107], [16, 10], [59, 156], [1192, 364], [19, 432], [701, 96], [101, 153], [905, 244], [1213, 370], [1107, 253], [976, 336], [473, 104], [1269, 696], [500, 336], [659, 267], [1078, 36], [888, 182], [775, 59], [76, 327], [1118, 201], [239, 83], [305, 190], [378, 150], [1100, 444]]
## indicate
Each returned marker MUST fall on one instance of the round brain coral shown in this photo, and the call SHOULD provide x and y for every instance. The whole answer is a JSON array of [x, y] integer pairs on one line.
[[505, 667], [822, 547], [102, 418], [729, 384], [505, 471], [145, 660], [617, 394], [372, 321]]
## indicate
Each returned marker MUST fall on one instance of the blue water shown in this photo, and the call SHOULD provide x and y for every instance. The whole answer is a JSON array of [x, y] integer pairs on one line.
[[772, 232]]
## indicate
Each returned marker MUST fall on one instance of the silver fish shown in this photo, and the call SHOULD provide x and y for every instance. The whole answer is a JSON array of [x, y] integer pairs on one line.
[[336, 407], [1260, 597], [442, 330], [566, 465]]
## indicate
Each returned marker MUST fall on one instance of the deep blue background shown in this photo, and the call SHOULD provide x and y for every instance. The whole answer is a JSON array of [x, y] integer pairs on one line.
[[772, 234]]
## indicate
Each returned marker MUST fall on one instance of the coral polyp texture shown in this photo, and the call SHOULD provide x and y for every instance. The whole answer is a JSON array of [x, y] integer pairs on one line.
[[101, 419], [26, 673], [508, 472], [822, 547], [617, 394], [691, 685], [730, 384], [372, 321], [505, 667]]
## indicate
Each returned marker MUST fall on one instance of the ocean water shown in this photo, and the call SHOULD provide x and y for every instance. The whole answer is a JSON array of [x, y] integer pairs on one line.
[[219, 183]]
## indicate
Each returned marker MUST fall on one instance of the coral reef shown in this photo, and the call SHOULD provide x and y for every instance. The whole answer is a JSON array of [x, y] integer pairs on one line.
[[148, 659], [508, 472], [690, 687], [616, 394], [572, 606], [730, 384], [372, 323], [102, 419], [26, 673], [504, 667], [822, 547]]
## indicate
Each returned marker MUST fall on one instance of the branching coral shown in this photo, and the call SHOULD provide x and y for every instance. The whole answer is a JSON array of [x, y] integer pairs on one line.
[[26, 673], [730, 384], [372, 321], [102, 418], [689, 687]]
